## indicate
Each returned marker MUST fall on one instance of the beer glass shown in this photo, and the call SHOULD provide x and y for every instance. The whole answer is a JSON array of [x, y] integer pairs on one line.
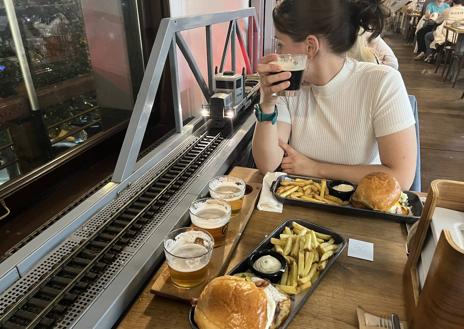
[[295, 64], [213, 216], [229, 189], [188, 252]]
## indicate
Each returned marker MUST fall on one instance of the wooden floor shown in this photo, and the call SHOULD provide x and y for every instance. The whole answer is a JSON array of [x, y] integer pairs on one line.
[[441, 115]]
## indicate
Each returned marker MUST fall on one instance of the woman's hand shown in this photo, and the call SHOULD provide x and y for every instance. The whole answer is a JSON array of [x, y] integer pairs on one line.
[[272, 81], [296, 163]]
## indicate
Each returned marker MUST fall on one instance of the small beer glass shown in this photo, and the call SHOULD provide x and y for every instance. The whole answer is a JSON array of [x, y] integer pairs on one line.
[[213, 216], [188, 252], [295, 64], [229, 189]]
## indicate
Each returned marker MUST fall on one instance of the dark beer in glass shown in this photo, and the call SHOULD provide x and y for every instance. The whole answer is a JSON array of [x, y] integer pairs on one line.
[[295, 64]]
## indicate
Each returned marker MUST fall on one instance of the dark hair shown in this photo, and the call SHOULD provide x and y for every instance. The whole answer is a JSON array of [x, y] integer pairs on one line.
[[338, 21], [458, 2]]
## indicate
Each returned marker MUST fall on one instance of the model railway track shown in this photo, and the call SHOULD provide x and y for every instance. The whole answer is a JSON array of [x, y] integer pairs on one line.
[[66, 210], [46, 303]]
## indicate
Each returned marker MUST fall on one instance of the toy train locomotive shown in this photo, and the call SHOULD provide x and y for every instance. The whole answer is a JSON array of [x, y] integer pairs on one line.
[[233, 93]]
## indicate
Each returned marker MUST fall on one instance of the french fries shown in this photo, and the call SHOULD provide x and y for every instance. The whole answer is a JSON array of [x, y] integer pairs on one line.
[[308, 190], [307, 253]]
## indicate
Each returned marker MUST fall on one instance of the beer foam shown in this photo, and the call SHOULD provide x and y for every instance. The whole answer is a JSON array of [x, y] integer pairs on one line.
[[290, 66], [188, 238], [210, 216], [194, 263], [227, 191]]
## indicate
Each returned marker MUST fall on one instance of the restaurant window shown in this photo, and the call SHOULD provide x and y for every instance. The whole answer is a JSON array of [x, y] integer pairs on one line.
[[65, 79]]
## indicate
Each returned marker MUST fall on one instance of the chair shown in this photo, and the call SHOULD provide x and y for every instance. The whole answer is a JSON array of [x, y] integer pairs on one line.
[[416, 184], [444, 53], [458, 61]]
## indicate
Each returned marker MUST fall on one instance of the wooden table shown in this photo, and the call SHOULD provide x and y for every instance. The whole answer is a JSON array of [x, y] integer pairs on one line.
[[376, 286], [457, 40], [458, 34]]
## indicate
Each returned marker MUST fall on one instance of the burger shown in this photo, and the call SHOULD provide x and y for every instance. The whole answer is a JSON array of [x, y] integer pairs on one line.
[[381, 191], [230, 302]]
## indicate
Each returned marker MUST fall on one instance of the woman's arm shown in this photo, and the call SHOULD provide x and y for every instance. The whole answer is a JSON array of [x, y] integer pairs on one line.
[[266, 150], [398, 154]]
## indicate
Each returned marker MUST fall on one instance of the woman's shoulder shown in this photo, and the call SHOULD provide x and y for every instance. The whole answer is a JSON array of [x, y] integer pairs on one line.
[[377, 71]]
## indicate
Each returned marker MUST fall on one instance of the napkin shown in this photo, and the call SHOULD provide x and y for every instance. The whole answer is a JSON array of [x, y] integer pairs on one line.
[[267, 202]]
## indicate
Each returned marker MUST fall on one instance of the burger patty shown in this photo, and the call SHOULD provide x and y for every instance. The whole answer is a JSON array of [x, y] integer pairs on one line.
[[281, 313]]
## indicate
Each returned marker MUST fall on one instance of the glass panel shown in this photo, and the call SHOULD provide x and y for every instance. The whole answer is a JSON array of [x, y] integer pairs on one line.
[[9, 167], [77, 56]]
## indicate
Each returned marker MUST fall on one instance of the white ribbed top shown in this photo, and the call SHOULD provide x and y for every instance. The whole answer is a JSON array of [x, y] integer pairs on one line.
[[339, 122]]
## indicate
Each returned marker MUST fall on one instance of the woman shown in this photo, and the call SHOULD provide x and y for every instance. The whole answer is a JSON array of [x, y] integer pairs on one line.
[[374, 50], [350, 118], [433, 16], [438, 37]]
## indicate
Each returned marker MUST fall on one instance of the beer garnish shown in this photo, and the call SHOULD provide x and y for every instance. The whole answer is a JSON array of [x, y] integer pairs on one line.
[[200, 241]]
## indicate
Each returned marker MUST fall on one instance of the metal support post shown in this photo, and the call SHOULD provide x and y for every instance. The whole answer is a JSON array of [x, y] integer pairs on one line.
[[209, 58], [21, 54], [144, 103], [193, 65], [243, 48], [233, 53], [174, 68], [226, 48]]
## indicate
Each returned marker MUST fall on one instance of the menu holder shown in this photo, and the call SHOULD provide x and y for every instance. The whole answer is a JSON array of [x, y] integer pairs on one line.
[[220, 258]]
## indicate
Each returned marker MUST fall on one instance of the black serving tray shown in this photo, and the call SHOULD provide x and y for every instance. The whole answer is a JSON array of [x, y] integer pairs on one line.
[[413, 199], [299, 299]]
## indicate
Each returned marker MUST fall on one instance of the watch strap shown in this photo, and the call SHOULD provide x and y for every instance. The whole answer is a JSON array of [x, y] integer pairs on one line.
[[262, 117]]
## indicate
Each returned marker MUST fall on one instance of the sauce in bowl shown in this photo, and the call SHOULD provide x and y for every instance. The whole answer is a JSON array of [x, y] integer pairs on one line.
[[267, 264], [343, 188]]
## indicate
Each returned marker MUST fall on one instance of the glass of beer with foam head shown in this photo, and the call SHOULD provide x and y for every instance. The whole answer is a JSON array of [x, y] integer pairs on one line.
[[295, 64], [188, 252], [213, 216], [229, 189]]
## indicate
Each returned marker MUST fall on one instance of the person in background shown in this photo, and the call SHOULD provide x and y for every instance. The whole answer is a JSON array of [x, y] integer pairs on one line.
[[361, 51], [433, 16], [350, 118], [373, 50], [437, 38]]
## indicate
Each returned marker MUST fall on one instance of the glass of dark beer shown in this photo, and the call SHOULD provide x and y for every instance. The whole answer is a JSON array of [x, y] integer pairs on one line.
[[295, 64]]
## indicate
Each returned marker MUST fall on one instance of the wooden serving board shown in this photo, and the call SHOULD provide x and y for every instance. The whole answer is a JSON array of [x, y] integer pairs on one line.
[[219, 259]]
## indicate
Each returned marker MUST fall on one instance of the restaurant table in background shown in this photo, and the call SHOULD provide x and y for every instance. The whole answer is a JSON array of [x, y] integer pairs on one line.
[[412, 19], [457, 52], [376, 286], [458, 36]]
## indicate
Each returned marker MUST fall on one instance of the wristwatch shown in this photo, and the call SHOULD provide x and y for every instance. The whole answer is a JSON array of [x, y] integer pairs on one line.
[[261, 116]]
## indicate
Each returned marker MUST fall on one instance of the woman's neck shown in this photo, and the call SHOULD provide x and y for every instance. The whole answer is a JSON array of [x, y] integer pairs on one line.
[[325, 67]]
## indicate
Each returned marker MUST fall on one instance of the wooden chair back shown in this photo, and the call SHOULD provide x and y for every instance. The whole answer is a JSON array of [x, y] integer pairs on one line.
[[440, 304]]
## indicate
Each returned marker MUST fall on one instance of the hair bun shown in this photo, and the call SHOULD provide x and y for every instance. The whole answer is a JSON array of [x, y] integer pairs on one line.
[[370, 15]]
